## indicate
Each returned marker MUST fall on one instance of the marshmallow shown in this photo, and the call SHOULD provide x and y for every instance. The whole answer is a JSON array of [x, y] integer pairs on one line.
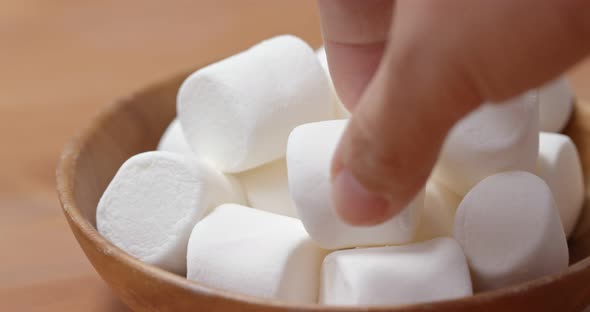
[[267, 188], [423, 272], [510, 231], [173, 140], [494, 138], [340, 110], [438, 215], [309, 154], [556, 103], [559, 165], [153, 202], [256, 253], [237, 114]]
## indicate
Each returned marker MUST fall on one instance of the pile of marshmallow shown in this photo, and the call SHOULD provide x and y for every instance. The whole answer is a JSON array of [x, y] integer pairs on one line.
[[238, 197]]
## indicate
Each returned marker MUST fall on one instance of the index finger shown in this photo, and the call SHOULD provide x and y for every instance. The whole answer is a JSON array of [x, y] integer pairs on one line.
[[355, 33]]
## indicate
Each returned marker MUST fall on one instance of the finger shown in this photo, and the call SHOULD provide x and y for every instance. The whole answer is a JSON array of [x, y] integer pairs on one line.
[[354, 37], [442, 61], [392, 142]]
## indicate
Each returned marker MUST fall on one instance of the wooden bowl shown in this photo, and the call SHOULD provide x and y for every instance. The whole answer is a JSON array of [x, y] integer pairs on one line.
[[134, 124]]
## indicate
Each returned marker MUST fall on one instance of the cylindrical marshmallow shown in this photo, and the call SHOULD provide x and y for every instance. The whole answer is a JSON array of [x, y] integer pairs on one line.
[[237, 114], [340, 110], [153, 202], [254, 252], [510, 231], [559, 165], [267, 188], [173, 140], [494, 138], [438, 215], [422, 272], [309, 154], [556, 103]]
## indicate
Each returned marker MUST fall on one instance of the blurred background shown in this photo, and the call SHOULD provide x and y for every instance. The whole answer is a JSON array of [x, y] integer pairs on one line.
[[60, 62]]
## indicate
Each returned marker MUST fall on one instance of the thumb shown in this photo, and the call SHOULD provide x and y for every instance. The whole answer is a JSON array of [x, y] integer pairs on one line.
[[441, 60], [393, 138]]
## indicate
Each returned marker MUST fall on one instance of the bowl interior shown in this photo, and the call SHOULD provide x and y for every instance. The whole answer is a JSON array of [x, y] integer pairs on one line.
[[135, 124], [120, 132]]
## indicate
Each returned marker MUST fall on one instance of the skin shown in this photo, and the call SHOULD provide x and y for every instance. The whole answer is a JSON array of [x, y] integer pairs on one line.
[[408, 70]]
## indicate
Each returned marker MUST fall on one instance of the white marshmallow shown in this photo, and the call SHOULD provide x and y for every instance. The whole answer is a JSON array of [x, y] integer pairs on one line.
[[559, 165], [341, 112], [237, 114], [267, 188], [153, 202], [256, 253], [494, 138], [309, 154], [510, 231], [173, 140], [438, 215], [556, 103], [429, 271]]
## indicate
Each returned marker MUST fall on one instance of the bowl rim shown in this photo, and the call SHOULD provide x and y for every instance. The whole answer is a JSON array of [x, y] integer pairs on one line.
[[65, 177]]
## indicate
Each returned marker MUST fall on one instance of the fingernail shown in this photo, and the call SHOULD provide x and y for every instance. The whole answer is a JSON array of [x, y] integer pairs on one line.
[[355, 204]]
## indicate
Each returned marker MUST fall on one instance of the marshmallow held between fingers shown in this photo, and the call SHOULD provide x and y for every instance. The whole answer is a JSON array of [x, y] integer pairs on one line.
[[494, 138], [510, 231], [153, 202], [256, 253], [438, 215], [559, 165], [237, 113], [421, 272], [309, 154], [340, 110], [173, 140], [267, 188], [556, 103]]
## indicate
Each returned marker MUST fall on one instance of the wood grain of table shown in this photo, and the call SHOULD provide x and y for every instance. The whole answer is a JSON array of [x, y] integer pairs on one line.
[[60, 61]]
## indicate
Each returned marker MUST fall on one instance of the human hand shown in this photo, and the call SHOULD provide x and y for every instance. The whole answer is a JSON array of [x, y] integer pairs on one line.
[[408, 70]]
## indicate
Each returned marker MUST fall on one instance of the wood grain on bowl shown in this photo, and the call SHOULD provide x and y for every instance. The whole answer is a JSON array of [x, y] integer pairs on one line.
[[134, 124]]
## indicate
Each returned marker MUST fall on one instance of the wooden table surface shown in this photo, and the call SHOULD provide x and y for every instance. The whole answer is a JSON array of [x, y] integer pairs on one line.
[[60, 61]]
